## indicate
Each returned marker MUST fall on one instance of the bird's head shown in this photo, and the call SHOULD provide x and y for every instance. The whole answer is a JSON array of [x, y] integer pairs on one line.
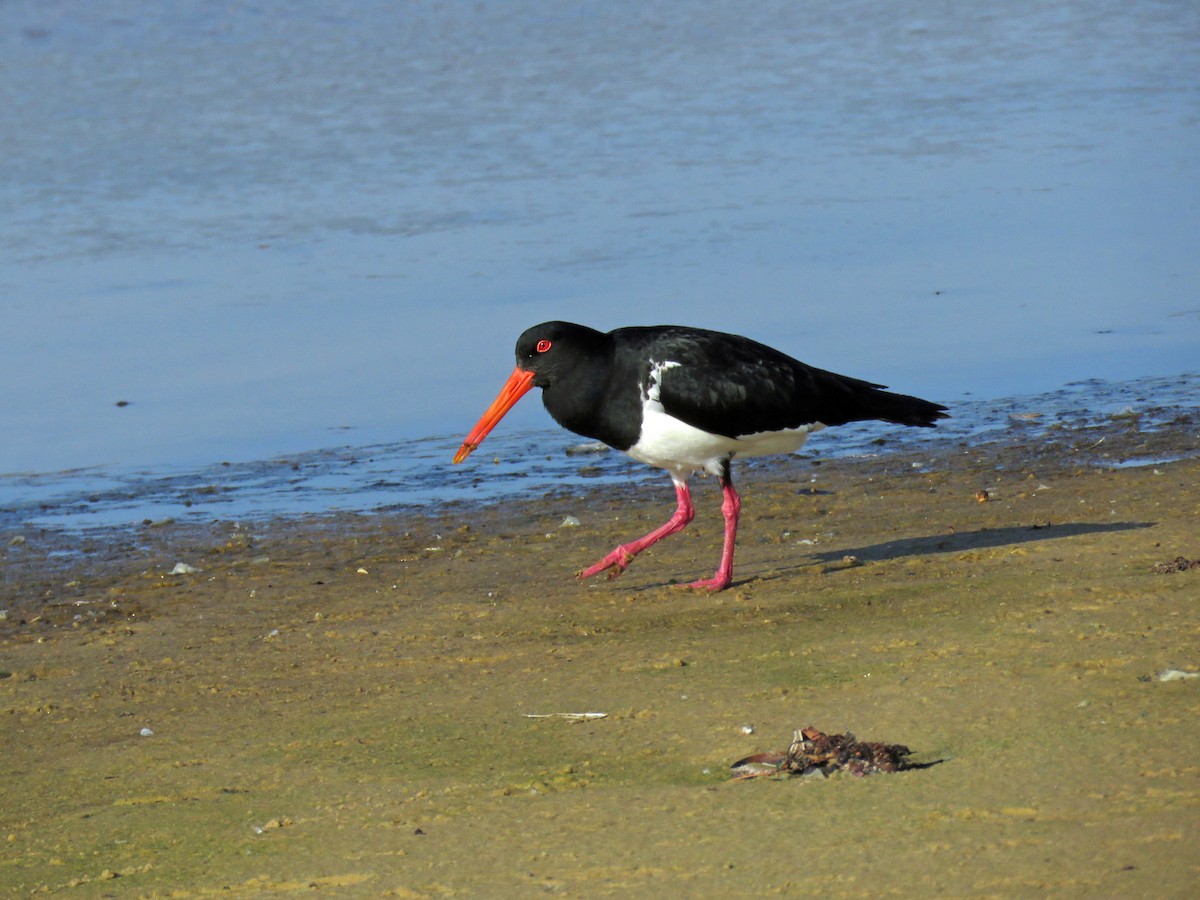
[[543, 352]]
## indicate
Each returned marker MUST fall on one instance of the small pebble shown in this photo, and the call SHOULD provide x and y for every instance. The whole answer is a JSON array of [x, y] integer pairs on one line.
[[594, 447], [184, 569], [146, 732]]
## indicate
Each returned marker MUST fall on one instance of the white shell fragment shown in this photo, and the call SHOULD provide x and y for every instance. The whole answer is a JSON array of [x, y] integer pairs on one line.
[[577, 717], [184, 569]]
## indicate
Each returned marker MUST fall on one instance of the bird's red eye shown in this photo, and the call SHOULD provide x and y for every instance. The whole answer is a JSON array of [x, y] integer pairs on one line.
[[543, 346]]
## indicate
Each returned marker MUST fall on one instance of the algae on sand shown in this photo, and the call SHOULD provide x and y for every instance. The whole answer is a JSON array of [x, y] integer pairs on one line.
[[365, 734]]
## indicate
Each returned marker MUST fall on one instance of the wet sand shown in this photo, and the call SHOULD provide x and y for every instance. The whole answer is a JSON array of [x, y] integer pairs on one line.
[[341, 704]]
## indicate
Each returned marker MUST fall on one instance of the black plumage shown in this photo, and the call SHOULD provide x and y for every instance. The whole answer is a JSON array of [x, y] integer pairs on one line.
[[724, 384]]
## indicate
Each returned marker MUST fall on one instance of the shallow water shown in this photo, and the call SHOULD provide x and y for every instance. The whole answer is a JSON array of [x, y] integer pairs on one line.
[[274, 228], [418, 474]]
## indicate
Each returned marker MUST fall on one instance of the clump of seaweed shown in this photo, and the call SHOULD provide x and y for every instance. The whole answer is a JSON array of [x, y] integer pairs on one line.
[[1178, 564], [812, 752]]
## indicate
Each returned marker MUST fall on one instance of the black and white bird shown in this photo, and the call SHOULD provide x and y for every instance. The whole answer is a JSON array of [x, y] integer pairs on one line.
[[686, 400]]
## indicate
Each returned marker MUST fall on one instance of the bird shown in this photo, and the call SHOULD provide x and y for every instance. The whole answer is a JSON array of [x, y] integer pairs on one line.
[[686, 400]]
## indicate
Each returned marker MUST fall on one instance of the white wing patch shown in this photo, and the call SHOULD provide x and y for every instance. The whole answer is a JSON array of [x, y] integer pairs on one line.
[[653, 385]]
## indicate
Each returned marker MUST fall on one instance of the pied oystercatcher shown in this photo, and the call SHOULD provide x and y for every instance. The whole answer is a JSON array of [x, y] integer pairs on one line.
[[686, 400]]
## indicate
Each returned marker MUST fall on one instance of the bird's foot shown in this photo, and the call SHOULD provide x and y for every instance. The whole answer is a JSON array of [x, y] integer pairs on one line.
[[618, 561], [718, 582]]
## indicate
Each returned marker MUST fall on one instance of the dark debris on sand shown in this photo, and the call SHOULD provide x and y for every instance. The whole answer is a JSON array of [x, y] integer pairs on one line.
[[812, 752], [1178, 564]]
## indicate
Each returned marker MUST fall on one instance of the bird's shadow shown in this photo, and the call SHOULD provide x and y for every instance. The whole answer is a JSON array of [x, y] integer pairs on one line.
[[902, 548], [982, 538]]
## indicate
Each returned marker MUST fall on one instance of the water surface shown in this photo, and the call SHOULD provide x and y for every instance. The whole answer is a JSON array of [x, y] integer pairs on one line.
[[270, 229]]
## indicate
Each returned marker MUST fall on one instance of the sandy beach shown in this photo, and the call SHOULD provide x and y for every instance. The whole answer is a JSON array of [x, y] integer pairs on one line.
[[362, 705]]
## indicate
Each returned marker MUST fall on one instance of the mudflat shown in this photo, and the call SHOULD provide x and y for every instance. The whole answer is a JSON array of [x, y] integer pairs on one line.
[[368, 705]]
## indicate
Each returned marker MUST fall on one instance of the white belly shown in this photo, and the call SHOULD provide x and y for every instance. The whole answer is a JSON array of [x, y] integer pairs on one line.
[[680, 448]]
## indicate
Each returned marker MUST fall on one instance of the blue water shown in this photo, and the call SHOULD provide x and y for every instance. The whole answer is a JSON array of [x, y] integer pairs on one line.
[[413, 475], [275, 228]]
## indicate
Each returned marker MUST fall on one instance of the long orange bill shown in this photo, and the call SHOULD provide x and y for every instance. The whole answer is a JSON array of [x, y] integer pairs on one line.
[[517, 386]]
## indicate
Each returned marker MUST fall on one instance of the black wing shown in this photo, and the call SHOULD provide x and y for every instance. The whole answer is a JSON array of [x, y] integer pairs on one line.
[[731, 385]]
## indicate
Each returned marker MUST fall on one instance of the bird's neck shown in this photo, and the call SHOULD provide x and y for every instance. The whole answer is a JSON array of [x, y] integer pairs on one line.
[[595, 401], [573, 398]]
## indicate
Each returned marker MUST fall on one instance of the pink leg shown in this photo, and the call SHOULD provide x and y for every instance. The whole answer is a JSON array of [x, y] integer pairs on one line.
[[621, 557], [730, 508]]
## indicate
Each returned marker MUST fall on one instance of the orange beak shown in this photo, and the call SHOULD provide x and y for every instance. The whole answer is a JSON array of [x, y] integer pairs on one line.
[[517, 386]]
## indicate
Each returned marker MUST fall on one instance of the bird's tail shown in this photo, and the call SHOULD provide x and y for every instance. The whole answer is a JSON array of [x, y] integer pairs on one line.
[[901, 409], [846, 399]]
